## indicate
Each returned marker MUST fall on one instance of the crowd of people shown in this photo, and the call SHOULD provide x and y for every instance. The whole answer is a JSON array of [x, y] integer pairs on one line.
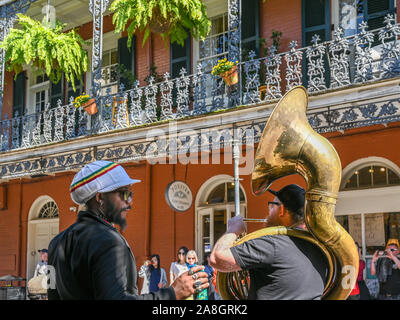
[[155, 277]]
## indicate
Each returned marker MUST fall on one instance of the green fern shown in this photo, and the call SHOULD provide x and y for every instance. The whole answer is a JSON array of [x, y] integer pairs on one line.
[[45, 48], [182, 15]]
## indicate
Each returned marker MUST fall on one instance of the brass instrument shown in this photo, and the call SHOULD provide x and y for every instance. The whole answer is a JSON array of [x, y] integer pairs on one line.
[[289, 145], [254, 220]]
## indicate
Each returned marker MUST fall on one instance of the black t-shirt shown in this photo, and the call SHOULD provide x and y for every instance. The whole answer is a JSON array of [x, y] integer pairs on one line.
[[392, 284], [282, 268]]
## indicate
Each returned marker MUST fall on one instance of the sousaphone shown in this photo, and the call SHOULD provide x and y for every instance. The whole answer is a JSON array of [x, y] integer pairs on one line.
[[289, 145]]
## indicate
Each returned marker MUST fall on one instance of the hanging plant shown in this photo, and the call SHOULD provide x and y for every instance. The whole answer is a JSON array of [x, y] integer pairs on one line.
[[172, 19], [46, 48]]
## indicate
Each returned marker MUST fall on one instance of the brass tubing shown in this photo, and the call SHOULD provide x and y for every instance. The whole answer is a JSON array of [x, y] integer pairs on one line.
[[254, 220]]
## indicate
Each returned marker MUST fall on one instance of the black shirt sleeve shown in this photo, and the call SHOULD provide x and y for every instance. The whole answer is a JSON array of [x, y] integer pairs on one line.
[[110, 283], [256, 253]]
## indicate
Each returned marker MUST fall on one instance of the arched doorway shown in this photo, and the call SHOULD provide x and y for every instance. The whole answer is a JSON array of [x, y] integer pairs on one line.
[[369, 206], [43, 226], [215, 204]]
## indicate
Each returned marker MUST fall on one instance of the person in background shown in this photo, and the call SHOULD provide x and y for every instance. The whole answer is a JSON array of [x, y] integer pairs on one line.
[[386, 266], [41, 267], [212, 274], [178, 267], [191, 262], [154, 276], [208, 269], [362, 286]]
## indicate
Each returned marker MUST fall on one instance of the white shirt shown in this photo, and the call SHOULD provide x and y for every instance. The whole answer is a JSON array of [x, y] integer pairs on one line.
[[177, 269], [41, 269]]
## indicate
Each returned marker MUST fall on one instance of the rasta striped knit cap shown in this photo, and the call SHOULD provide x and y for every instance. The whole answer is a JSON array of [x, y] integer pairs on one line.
[[98, 176]]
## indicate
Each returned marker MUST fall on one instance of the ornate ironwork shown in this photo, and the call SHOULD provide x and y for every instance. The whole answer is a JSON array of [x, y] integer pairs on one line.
[[200, 93], [389, 36], [322, 120], [252, 76], [273, 75], [235, 47], [8, 16], [293, 60], [363, 54], [315, 68], [97, 9], [339, 51]]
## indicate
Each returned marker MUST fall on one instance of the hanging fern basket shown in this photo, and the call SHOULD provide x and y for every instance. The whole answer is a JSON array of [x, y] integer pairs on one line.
[[48, 49], [174, 20], [159, 24]]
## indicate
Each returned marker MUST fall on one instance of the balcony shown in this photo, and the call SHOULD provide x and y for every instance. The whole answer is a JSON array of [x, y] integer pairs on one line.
[[324, 67]]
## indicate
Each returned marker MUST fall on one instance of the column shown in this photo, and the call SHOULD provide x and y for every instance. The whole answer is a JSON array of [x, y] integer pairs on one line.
[[97, 9]]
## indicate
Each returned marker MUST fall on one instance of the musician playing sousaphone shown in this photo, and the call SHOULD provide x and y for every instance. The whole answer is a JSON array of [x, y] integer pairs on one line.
[[280, 267], [283, 260]]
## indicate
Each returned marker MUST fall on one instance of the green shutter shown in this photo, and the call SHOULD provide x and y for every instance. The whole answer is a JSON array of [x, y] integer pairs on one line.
[[180, 58], [57, 92], [126, 58], [315, 20], [250, 26], [19, 94], [375, 12]]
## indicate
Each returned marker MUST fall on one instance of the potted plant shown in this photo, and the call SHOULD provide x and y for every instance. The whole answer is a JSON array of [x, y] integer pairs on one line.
[[87, 103], [227, 70], [172, 19], [46, 48]]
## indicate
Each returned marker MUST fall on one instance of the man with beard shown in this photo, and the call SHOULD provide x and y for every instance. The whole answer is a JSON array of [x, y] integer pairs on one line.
[[280, 267], [91, 259]]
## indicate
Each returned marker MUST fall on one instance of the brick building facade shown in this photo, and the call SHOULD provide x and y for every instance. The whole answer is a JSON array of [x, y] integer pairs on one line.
[[364, 144]]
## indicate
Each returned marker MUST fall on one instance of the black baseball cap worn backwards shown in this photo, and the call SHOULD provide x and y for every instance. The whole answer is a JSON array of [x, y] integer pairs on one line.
[[291, 196]]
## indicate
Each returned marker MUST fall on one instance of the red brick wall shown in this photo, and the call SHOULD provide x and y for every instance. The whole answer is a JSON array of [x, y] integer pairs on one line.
[[8, 94], [284, 16]]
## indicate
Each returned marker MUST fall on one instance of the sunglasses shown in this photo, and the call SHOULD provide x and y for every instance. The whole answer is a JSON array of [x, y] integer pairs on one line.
[[274, 202], [125, 195], [181, 253]]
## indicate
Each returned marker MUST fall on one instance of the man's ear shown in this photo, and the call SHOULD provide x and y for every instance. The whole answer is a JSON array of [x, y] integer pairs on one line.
[[99, 197], [282, 210]]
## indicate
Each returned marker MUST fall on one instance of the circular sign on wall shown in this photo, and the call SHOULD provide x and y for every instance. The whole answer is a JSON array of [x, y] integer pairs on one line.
[[178, 196]]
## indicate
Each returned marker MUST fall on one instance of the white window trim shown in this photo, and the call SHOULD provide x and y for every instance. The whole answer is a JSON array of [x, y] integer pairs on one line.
[[202, 209], [33, 219], [43, 86], [214, 8], [364, 162]]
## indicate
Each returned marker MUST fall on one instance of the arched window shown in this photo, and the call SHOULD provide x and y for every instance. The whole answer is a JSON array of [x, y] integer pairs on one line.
[[223, 193], [215, 204], [372, 176], [48, 211]]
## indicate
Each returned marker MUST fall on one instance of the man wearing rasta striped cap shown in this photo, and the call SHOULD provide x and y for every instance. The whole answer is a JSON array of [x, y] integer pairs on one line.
[[92, 260], [99, 181]]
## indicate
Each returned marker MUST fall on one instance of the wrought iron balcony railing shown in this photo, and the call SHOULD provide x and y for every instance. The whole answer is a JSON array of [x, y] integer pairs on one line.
[[343, 62]]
